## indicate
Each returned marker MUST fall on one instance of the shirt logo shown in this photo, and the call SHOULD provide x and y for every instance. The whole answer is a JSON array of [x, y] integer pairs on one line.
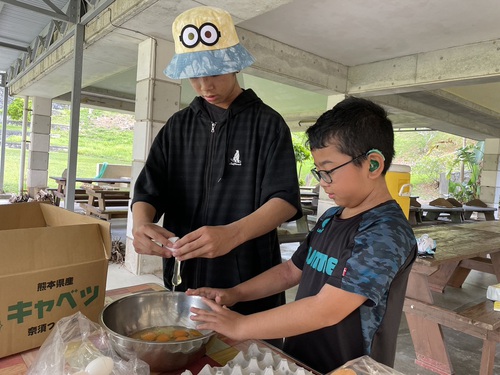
[[235, 160], [321, 262]]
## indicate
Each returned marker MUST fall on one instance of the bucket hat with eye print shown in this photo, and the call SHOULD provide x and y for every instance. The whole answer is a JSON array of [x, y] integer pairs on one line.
[[206, 44]]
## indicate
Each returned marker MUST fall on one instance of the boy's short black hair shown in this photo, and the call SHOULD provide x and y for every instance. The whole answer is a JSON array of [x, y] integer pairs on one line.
[[354, 126]]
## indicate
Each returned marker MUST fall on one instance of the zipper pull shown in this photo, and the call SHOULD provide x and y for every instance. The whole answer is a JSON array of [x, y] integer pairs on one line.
[[214, 124]]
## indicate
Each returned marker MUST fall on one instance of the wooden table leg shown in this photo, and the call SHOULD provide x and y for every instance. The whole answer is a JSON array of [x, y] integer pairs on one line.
[[431, 215], [418, 283], [488, 358], [430, 349], [441, 278], [489, 216], [456, 217], [412, 217], [427, 336], [495, 262], [90, 203], [302, 224], [60, 193]]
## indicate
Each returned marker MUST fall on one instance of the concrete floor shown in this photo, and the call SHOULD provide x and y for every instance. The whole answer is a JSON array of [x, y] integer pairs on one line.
[[464, 350]]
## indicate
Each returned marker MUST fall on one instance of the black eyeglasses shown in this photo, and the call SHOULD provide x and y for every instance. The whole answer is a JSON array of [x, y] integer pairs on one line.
[[325, 175]]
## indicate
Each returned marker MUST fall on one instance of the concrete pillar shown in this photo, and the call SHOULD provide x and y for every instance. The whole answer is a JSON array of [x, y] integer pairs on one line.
[[324, 203], [38, 157], [157, 98], [490, 175]]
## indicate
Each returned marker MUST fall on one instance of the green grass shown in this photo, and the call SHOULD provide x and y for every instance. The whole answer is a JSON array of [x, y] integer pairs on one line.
[[57, 163], [96, 145]]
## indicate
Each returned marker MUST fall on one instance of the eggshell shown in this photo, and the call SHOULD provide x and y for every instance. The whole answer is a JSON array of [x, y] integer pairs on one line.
[[100, 366], [173, 240]]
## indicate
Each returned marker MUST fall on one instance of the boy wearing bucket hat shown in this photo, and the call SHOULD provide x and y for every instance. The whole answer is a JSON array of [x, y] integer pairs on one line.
[[222, 171], [353, 267]]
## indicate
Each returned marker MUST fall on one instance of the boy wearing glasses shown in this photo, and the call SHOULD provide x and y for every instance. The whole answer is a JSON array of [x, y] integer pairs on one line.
[[353, 267]]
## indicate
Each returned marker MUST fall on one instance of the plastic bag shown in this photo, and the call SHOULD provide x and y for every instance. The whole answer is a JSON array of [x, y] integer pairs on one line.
[[76, 341], [365, 365], [426, 246]]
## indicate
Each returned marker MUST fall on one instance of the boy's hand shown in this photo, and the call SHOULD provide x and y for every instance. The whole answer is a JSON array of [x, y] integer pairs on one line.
[[152, 239], [220, 319], [206, 242], [223, 297]]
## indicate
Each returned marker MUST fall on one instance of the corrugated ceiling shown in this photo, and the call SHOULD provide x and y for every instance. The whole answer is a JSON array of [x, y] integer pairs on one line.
[[20, 26]]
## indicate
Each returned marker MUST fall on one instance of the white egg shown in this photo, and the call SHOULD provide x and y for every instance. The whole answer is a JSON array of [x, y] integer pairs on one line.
[[81, 373], [100, 366]]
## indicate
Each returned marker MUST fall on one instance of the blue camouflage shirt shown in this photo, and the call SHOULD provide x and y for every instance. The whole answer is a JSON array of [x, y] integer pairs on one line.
[[361, 255]]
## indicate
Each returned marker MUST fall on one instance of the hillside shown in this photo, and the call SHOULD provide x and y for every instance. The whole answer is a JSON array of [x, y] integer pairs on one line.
[[428, 153], [108, 137], [104, 137]]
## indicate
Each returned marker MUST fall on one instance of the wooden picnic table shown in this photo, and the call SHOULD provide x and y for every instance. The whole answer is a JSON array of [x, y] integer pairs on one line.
[[80, 194], [106, 203], [460, 248]]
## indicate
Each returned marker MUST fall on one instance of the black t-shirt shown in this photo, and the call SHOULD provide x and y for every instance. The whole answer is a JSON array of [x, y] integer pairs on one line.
[[216, 114]]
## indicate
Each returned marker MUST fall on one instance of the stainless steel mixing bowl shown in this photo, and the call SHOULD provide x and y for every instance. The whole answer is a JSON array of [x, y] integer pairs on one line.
[[143, 310]]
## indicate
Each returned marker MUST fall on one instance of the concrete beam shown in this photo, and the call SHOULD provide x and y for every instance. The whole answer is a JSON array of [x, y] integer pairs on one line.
[[462, 107], [116, 14], [469, 64], [98, 98], [282, 63], [443, 119]]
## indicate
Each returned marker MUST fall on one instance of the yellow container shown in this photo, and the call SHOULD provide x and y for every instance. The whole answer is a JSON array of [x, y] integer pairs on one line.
[[398, 182]]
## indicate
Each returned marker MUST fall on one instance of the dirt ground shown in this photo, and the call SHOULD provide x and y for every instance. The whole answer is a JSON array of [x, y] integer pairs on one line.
[[426, 192]]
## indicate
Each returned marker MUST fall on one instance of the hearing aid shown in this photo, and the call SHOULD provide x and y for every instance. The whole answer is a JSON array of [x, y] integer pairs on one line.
[[373, 163], [375, 151]]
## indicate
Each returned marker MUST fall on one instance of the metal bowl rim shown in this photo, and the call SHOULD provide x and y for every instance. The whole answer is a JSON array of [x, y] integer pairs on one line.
[[132, 340]]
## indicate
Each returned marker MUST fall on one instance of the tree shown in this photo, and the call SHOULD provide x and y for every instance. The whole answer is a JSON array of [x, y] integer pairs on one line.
[[16, 108], [471, 156], [302, 154]]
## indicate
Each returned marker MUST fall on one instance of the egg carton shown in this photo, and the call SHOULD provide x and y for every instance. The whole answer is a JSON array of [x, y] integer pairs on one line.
[[256, 361]]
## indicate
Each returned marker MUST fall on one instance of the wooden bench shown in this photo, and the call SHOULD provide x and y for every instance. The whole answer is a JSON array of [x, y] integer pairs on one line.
[[433, 212], [107, 214], [478, 320], [107, 204], [488, 212], [415, 215], [80, 196], [287, 237]]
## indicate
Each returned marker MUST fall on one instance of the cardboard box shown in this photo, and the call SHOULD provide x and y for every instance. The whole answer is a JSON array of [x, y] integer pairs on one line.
[[53, 263]]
